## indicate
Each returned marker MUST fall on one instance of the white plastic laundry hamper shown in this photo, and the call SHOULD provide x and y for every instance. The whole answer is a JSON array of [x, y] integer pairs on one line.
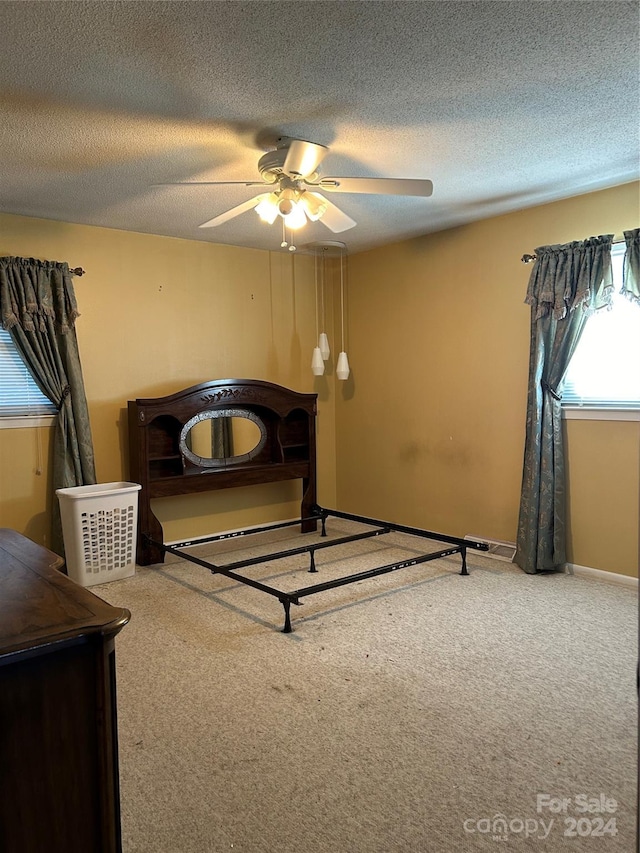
[[99, 526]]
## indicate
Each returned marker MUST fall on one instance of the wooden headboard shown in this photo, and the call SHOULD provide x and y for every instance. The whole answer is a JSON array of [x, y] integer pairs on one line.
[[162, 458]]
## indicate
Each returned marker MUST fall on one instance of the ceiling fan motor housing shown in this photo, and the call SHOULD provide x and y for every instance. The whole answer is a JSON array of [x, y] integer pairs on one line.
[[270, 164]]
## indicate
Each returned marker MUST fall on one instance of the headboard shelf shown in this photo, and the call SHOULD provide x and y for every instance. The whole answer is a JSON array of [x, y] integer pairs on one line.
[[218, 435], [247, 475]]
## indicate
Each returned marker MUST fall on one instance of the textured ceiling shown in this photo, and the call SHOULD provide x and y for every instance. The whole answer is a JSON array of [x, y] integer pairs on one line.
[[502, 105]]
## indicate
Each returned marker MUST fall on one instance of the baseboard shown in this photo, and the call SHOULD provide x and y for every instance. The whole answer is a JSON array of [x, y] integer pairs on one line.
[[498, 548], [600, 575]]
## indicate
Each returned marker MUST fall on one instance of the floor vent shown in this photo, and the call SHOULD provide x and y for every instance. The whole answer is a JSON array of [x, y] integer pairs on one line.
[[497, 548]]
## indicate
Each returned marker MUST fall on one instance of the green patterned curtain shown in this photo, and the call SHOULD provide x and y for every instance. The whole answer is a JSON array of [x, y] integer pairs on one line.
[[38, 308], [631, 270], [567, 284]]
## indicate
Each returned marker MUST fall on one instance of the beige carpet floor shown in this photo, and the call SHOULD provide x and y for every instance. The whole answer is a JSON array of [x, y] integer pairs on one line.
[[418, 711]]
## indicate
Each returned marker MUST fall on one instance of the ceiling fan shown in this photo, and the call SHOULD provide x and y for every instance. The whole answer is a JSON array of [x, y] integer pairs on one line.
[[291, 171]]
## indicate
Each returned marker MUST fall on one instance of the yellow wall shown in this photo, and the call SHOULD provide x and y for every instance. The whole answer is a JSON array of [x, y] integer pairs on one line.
[[603, 463], [157, 315], [25, 473], [430, 426]]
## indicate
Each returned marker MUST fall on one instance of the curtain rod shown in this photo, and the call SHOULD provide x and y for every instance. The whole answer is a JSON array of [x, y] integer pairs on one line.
[[527, 259], [77, 271]]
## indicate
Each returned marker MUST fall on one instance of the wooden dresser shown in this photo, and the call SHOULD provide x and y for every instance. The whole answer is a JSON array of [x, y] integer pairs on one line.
[[59, 786]]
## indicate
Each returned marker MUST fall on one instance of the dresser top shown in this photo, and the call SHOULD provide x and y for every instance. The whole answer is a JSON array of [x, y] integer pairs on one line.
[[39, 605]]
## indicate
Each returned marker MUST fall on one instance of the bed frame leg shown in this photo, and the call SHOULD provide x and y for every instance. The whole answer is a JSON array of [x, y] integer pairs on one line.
[[287, 616], [463, 553], [324, 526], [312, 564]]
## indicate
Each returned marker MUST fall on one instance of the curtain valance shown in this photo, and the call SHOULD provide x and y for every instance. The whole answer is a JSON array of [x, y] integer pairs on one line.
[[568, 276], [32, 290]]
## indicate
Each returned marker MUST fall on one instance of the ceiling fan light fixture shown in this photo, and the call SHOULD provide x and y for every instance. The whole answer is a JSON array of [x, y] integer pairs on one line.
[[287, 199], [267, 210], [314, 207], [285, 206], [296, 218]]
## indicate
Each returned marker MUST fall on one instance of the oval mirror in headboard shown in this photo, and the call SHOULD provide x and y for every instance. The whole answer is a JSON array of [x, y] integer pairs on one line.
[[221, 437]]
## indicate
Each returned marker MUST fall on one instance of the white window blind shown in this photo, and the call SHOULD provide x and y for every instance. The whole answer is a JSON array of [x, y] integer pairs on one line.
[[605, 369], [19, 394]]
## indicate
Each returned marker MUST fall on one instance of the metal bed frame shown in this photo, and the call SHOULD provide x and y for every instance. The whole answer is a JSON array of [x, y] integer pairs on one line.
[[230, 570]]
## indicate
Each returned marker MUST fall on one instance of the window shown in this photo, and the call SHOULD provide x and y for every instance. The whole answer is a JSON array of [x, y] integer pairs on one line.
[[20, 397], [605, 369]]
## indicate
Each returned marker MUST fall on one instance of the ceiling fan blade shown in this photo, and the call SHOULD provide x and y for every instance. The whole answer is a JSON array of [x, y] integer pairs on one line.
[[210, 184], [333, 217], [234, 211], [377, 186], [303, 158]]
